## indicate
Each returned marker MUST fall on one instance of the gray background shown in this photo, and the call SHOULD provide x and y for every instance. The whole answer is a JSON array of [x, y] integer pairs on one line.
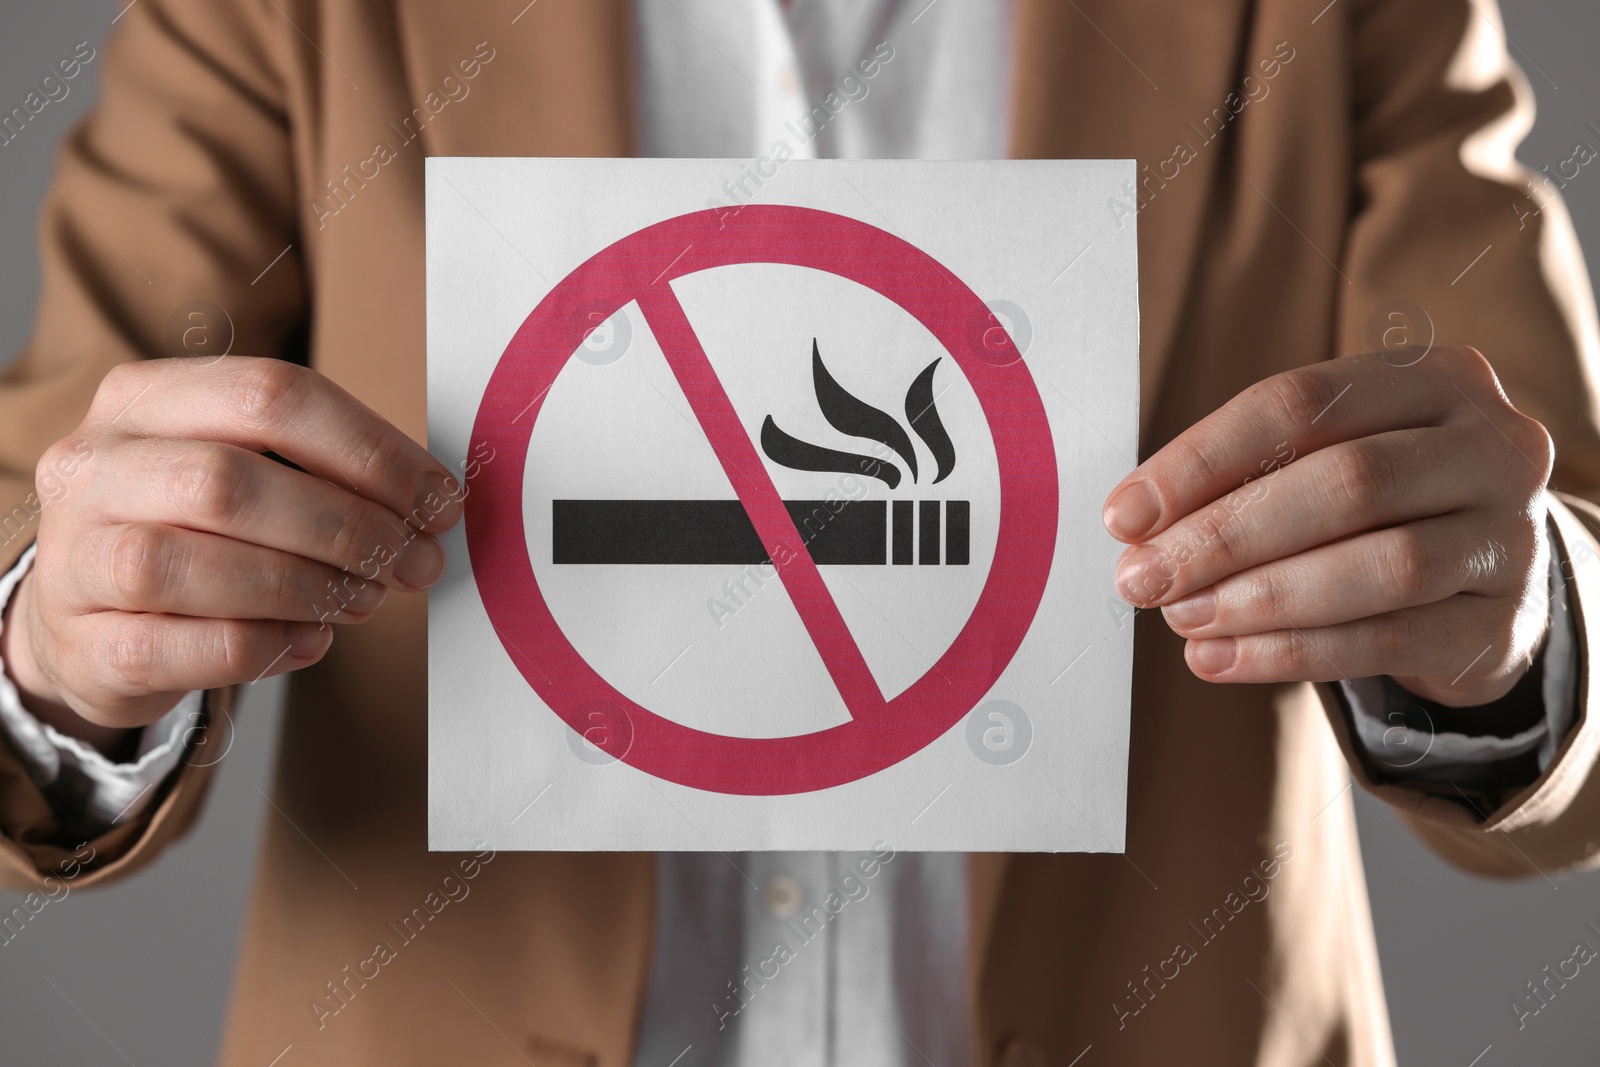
[[140, 973]]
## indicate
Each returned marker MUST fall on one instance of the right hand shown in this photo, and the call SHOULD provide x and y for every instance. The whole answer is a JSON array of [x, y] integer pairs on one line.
[[173, 555]]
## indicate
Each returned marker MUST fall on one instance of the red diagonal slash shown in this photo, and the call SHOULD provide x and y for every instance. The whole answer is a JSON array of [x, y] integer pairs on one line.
[[737, 454]]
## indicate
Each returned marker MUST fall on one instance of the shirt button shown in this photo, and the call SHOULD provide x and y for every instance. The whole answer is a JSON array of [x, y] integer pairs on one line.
[[1020, 1052], [782, 897]]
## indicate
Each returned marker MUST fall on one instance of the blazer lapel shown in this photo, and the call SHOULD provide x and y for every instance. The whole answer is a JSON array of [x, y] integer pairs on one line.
[[1108, 79], [560, 82], [1099, 79], [986, 873]]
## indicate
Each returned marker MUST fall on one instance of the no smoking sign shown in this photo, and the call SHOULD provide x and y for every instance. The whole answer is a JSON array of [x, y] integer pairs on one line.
[[782, 506]]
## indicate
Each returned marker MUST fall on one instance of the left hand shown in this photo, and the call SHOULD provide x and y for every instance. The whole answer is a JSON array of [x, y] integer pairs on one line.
[[1364, 516]]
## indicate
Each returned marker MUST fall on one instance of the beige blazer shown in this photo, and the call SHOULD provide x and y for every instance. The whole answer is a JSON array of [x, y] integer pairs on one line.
[[1376, 166]]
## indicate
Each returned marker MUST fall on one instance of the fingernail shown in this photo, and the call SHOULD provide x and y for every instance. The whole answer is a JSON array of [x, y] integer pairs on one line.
[[420, 563], [368, 597], [1144, 575], [1215, 656], [439, 498], [1132, 512], [1192, 611], [306, 639]]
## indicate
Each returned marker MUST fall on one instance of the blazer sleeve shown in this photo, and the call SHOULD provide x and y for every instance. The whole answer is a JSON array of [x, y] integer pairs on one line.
[[1482, 253], [172, 209]]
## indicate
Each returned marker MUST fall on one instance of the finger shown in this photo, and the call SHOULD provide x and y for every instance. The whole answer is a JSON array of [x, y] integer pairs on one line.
[[1372, 574], [1448, 640], [1344, 489], [273, 405], [1289, 415], [132, 660], [148, 567], [230, 491]]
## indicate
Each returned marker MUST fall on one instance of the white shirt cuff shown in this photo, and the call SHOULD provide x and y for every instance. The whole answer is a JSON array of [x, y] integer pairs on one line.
[[105, 793]]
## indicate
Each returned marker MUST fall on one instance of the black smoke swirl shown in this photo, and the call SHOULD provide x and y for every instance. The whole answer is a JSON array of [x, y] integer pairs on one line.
[[924, 418], [800, 455], [857, 418]]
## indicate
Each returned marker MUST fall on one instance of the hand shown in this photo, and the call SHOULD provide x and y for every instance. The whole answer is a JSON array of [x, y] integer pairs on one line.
[[173, 555], [1376, 515]]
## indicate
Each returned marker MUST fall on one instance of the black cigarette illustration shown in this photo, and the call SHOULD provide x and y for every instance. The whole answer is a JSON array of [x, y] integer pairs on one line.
[[835, 532], [838, 532]]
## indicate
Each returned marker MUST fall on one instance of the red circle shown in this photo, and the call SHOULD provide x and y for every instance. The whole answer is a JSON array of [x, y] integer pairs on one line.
[[1024, 450]]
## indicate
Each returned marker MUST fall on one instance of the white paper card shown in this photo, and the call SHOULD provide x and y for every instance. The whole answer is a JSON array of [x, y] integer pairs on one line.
[[783, 490]]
